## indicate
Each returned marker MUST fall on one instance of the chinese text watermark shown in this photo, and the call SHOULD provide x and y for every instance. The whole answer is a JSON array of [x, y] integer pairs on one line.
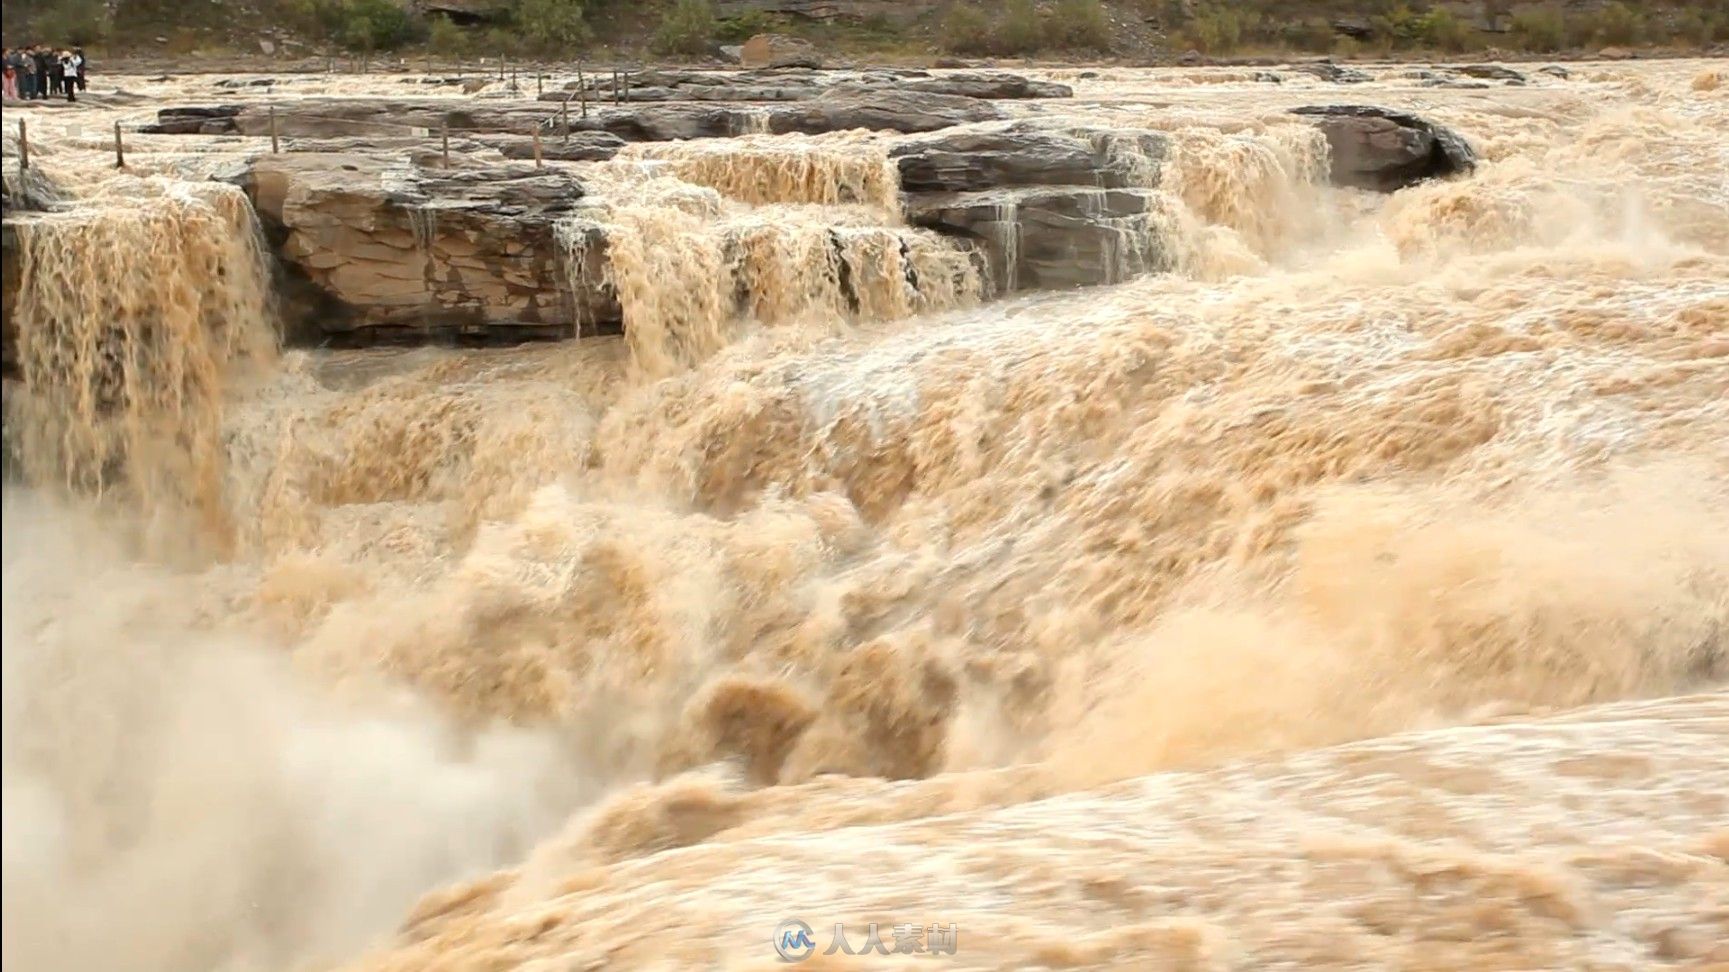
[[795, 941]]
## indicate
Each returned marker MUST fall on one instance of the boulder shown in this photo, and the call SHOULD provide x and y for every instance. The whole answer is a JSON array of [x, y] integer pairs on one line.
[[778, 50], [1023, 155], [1328, 71], [1047, 205], [1383, 150], [381, 251], [1555, 71], [1487, 72], [1052, 237]]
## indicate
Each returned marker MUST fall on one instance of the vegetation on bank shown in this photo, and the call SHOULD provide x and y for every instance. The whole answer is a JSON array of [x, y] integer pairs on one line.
[[1000, 28]]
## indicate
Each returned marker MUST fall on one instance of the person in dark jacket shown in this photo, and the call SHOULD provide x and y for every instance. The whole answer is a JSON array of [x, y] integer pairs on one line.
[[56, 73], [83, 68], [44, 76]]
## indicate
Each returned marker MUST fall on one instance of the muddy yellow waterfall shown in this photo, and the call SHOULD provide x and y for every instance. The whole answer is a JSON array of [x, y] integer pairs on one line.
[[1096, 525]]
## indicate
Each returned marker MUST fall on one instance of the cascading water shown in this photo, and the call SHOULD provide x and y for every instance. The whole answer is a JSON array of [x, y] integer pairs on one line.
[[134, 316], [1213, 618]]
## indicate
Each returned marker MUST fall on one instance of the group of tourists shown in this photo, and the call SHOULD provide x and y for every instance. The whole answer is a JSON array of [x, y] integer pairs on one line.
[[39, 71]]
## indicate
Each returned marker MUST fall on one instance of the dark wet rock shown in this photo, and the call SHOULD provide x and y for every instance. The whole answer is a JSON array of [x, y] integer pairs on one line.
[[1383, 150], [238, 83], [1487, 72], [1024, 155], [578, 147], [379, 251], [1268, 77], [1454, 84], [1048, 205], [206, 120], [1555, 71], [663, 123], [1052, 237], [1328, 71]]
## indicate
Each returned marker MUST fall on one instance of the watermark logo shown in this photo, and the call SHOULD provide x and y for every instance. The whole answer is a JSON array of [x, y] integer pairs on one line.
[[794, 941]]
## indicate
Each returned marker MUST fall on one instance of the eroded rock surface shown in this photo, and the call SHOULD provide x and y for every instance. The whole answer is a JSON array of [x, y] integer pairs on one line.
[[1053, 237], [351, 117], [393, 251], [799, 84], [1049, 206], [846, 107], [1384, 150]]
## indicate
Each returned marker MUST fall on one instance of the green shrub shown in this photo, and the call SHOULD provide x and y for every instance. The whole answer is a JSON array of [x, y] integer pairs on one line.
[[964, 30], [1020, 31], [1218, 30], [746, 25], [73, 21], [375, 25], [1539, 30], [1619, 25], [443, 36], [688, 28], [1079, 25], [1440, 29], [1308, 35], [550, 25]]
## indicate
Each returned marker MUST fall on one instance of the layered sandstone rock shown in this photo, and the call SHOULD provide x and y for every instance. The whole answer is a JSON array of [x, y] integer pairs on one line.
[[1026, 154], [384, 251], [1054, 237], [1050, 207]]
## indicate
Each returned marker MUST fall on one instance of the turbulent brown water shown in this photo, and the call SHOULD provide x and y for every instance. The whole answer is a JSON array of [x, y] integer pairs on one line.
[[1353, 596]]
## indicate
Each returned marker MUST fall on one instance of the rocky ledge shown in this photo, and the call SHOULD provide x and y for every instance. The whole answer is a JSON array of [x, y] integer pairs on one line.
[[403, 248], [1049, 205], [375, 251], [836, 109], [800, 84]]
